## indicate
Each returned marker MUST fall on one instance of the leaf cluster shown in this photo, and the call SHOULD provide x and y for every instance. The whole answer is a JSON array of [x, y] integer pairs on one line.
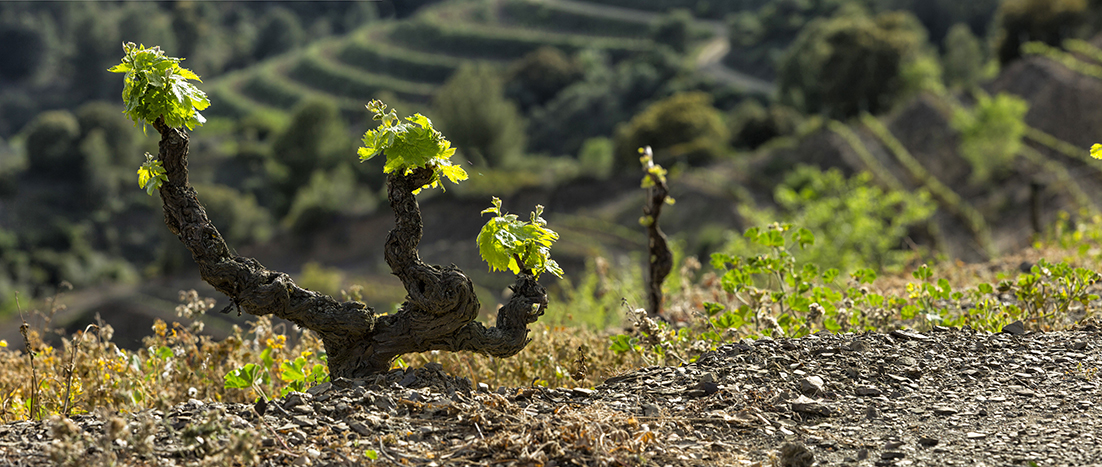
[[155, 85], [151, 174], [408, 145], [506, 242]]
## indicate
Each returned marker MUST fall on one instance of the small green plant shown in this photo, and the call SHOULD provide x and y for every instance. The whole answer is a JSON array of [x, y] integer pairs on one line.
[[773, 278], [507, 243], [249, 376], [300, 375]]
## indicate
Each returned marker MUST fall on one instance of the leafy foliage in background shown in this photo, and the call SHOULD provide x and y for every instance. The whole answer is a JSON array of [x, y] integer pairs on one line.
[[507, 243], [991, 133], [851, 63], [682, 127], [858, 224], [155, 85], [472, 109], [409, 145]]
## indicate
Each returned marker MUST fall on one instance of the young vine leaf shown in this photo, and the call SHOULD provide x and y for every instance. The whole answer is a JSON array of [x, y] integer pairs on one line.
[[155, 85], [408, 145], [506, 242], [151, 174]]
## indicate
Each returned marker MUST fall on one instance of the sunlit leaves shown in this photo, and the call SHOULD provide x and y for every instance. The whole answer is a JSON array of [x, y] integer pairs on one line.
[[409, 144], [151, 174], [155, 85], [507, 243]]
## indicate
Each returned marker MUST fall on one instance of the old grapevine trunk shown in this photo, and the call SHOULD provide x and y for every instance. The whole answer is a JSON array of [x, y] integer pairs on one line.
[[438, 313], [658, 249]]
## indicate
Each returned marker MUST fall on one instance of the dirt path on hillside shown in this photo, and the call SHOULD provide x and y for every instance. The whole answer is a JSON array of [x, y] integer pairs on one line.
[[946, 397]]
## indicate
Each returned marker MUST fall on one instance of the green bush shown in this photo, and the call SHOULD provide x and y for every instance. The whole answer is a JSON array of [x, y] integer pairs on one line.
[[849, 64], [239, 218], [753, 124], [316, 138], [991, 134], [472, 110], [856, 224], [280, 32], [539, 76], [329, 194], [1048, 21], [963, 61], [51, 141], [683, 127]]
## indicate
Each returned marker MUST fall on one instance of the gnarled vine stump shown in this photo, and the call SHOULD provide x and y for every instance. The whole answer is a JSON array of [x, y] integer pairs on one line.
[[438, 313]]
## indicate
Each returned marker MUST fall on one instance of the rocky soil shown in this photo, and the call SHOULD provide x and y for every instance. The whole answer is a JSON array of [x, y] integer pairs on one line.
[[944, 397]]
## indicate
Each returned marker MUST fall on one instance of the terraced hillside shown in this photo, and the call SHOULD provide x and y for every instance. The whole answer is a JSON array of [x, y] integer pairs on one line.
[[917, 147], [411, 57]]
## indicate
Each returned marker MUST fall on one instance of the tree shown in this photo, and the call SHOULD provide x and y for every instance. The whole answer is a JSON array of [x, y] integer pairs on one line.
[[280, 31], [471, 108], [963, 60], [316, 139], [674, 29], [1048, 21], [538, 76], [51, 145], [851, 63], [441, 304], [22, 53], [680, 127]]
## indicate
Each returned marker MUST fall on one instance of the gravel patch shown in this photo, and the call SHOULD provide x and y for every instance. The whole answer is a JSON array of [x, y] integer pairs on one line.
[[944, 397]]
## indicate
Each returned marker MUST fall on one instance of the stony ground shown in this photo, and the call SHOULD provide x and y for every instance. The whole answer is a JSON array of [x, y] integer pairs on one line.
[[945, 397]]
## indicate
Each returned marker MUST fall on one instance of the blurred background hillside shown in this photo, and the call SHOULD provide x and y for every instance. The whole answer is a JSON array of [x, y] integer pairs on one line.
[[896, 130]]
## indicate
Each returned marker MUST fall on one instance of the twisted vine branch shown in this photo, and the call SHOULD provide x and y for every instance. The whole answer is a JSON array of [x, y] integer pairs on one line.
[[439, 311]]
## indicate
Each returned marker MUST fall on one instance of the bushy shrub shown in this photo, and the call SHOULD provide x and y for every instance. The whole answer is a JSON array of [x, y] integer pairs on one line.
[[963, 60], [1048, 21], [238, 217], [850, 63], [683, 127], [330, 193], [472, 110], [51, 145], [856, 224], [537, 77], [753, 124], [991, 134]]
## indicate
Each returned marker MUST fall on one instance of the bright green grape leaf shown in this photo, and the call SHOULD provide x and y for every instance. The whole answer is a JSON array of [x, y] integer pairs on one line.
[[1096, 151], [292, 371], [408, 145], [507, 243], [156, 86], [245, 377], [151, 174]]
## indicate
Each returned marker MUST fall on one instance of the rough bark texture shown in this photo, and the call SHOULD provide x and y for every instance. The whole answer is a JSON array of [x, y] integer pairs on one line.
[[661, 258], [438, 313]]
